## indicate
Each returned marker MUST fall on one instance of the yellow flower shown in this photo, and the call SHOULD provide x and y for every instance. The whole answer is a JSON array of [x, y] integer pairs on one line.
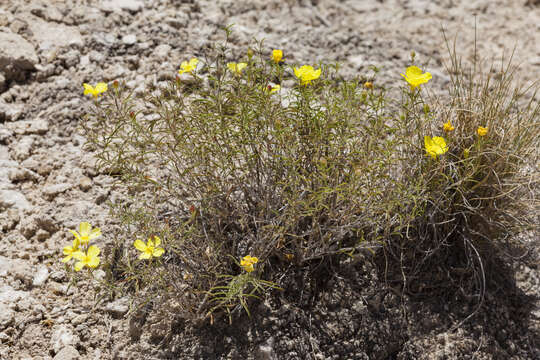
[[188, 66], [448, 126], [69, 251], [247, 263], [307, 74], [90, 259], [277, 55], [436, 146], [236, 67], [368, 85], [86, 233], [414, 76], [482, 131], [149, 249], [95, 91]]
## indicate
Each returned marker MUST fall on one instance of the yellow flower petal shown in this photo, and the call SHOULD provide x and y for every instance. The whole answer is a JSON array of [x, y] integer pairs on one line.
[[435, 146], [139, 245], [93, 262], [76, 234], [67, 258], [275, 88], [414, 76], [236, 67], [306, 74], [88, 89], [413, 71], [93, 251], [440, 143], [79, 265], [85, 228], [157, 241], [158, 252], [145, 256], [79, 255], [101, 87], [68, 250], [482, 131], [277, 55]]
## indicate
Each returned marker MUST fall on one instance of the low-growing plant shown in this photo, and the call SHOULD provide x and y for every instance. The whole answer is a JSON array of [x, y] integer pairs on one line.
[[245, 169]]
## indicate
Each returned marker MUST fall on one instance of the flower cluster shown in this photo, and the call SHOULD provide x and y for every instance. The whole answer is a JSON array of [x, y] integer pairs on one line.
[[81, 250], [88, 255], [247, 263], [435, 146]]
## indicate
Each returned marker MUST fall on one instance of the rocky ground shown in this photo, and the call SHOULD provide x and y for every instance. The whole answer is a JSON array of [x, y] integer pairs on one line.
[[48, 184]]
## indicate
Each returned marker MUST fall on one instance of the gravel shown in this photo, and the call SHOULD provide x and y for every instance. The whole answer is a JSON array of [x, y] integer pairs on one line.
[[50, 183]]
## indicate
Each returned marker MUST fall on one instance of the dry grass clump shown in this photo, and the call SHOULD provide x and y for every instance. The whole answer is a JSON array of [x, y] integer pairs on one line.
[[479, 195]]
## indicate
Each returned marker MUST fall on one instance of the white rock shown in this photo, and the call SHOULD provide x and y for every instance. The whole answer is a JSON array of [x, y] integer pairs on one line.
[[41, 275], [5, 134], [129, 39], [63, 336], [9, 296], [11, 112], [13, 199], [162, 51], [132, 6], [51, 191], [37, 126], [118, 308], [266, 351], [50, 35], [67, 353], [23, 148], [4, 151], [7, 315], [4, 337], [85, 183], [21, 174], [17, 56], [20, 270], [357, 61]]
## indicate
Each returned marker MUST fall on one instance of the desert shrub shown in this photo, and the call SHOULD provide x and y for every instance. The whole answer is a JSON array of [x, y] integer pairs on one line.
[[220, 165], [234, 180]]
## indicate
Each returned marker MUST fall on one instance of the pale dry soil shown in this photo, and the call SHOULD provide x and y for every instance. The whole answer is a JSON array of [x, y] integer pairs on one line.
[[48, 184]]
